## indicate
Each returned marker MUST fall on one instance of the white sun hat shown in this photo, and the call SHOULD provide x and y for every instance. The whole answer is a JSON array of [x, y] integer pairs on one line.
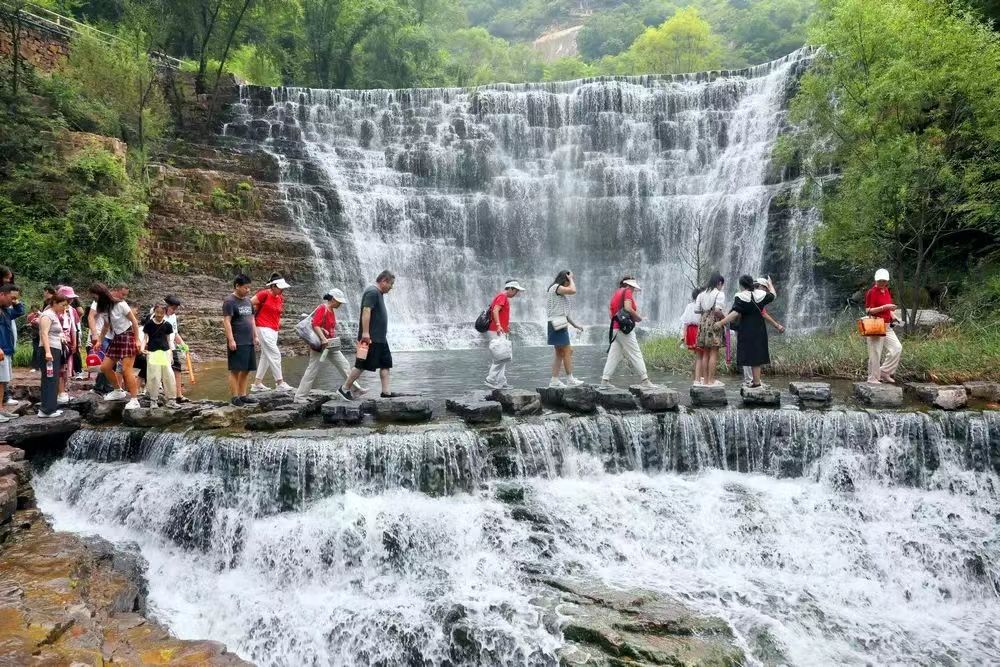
[[338, 296], [513, 284], [279, 283], [882, 274], [634, 284]]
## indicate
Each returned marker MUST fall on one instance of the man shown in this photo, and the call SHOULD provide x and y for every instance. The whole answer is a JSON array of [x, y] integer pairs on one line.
[[269, 305], [11, 308], [499, 327], [241, 337], [624, 344], [372, 330], [878, 303]]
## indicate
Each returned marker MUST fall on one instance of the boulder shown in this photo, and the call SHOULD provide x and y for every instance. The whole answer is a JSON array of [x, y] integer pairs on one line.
[[273, 420], [228, 416], [812, 394], [656, 398], [103, 411], [8, 497], [23, 429], [615, 398], [342, 412], [154, 417], [946, 397], [85, 403], [762, 396], [878, 395], [986, 391], [708, 397], [518, 402], [475, 410], [403, 410], [582, 398], [272, 400]]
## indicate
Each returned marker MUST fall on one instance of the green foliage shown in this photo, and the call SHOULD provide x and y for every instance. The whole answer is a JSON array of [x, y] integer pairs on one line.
[[566, 69], [683, 43], [608, 34], [23, 354], [99, 169], [254, 65]]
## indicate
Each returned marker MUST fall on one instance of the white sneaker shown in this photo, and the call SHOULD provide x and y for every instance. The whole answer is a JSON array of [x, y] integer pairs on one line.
[[80, 376], [574, 382], [62, 399], [491, 385], [57, 413], [4, 419], [12, 402], [133, 404], [172, 405], [718, 383], [605, 384], [555, 383], [257, 388], [284, 386], [359, 390], [116, 395], [646, 384]]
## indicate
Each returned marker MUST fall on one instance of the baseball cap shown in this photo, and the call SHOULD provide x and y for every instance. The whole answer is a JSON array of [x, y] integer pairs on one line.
[[882, 274], [66, 291]]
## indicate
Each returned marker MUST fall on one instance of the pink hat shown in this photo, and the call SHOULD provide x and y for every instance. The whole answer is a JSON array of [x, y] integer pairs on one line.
[[66, 292]]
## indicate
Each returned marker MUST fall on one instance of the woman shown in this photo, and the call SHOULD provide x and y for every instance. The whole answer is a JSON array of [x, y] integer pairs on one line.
[[125, 343], [97, 317], [749, 306], [158, 344], [268, 306], [708, 306], [7, 278], [324, 325], [70, 326], [557, 312], [53, 340]]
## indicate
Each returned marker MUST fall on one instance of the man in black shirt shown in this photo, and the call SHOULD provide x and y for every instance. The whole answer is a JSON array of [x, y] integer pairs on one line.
[[241, 337], [372, 329]]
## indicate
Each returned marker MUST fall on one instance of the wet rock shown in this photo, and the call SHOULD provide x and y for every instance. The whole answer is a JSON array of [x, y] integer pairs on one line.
[[475, 410], [272, 400], [228, 416], [582, 398], [103, 411], [986, 391], [8, 497], [760, 397], [404, 410], [708, 397], [946, 397], [656, 398], [812, 394], [518, 402], [615, 398], [154, 417], [272, 421], [342, 412], [509, 492], [85, 403], [878, 395], [24, 429]]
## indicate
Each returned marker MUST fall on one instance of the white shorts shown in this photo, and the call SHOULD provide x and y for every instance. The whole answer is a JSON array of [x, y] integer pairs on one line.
[[5, 371]]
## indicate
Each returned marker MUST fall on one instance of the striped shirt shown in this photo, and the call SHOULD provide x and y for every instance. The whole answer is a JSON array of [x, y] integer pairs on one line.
[[556, 304]]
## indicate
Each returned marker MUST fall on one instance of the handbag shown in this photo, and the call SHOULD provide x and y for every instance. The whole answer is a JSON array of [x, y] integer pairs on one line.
[[501, 349], [624, 319], [304, 329], [559, 322], [871, 326], [483, 321]]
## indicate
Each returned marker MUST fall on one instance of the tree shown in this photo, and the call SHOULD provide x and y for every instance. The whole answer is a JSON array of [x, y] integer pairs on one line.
[[608, 33], [683, 43], [13, 17], [333, 29]]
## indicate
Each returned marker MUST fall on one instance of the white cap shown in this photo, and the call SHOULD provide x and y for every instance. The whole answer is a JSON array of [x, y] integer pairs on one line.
[[513, 284], [279, 283], [882, 274], [634, 284], [338, 296]]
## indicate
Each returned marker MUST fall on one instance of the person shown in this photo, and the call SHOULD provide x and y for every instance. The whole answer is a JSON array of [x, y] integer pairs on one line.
[[37, 358], [97, 317], [70, 327], [689, 329], [125, 344], [139, 365], [373, 328], [53, 340], [269, 304], [759, 284], [324, 324], [6, 398], [624, 345], [159, 347], [879, 303], [557, 306], [241, 338], [11, 308], [173, 304], [709, 304], [749, 306], [496, 378]]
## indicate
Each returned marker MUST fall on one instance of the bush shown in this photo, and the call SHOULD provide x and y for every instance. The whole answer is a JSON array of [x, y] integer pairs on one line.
[[99, 169], [23, 353]]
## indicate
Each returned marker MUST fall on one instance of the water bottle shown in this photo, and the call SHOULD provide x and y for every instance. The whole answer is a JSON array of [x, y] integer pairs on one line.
[[50, 370]]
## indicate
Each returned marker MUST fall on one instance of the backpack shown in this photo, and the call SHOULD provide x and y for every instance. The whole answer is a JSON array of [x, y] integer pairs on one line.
[[483, 321], [624, 319]]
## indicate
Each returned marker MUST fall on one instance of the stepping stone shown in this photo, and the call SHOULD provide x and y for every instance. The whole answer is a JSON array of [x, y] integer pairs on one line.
[[272, 421], [878, 395], [812, 394], [31, 427], [614, 398], [103, 411], [578, 399], [228, 416], [757, 397], [656, 398], [272, 400], [708, 397], [153, 417], [475, 410], [946, 397], [342, 412], [518, 402], [987, 391], [403, 410]]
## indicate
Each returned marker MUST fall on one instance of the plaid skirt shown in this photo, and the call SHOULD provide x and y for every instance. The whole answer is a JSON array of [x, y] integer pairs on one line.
[[123, 346]]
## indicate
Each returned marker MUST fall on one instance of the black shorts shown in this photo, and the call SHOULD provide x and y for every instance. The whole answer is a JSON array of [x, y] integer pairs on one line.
[[379, 356], [175, 363], [243, 359]]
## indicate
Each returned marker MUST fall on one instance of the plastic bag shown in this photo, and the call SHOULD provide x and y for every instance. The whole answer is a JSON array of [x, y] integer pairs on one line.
[[501, 349]]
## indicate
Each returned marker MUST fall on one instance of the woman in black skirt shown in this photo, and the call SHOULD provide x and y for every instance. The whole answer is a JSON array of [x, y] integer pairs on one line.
[[749, 305]]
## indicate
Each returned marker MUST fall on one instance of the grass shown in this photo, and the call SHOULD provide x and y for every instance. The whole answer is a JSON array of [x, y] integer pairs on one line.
[[22, 354], [946, 355]]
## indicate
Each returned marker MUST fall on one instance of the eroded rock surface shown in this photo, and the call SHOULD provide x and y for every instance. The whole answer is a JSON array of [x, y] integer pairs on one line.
[[475, 409], [518, 402], [878, 395], [762, 396], [946, 397], [582, 398], [708, 397], [812, 394], [24, 429]]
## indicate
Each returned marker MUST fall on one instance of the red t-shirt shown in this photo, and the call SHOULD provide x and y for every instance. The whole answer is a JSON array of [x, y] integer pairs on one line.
[[325, 319], [504, 303], [621, 295], [269, 310], [876, 297]]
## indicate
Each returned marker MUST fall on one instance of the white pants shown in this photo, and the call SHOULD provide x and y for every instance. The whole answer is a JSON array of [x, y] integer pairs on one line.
[[498, 370], [335, 357], [877, 369], [157, 375], [627, 346], [270, 355], [748, 374]]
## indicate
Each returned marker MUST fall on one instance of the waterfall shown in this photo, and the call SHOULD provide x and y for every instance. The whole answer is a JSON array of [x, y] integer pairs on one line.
[[457, 189]]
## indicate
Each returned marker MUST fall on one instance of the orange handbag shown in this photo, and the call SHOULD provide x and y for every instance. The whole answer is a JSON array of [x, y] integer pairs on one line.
[[871, 326]]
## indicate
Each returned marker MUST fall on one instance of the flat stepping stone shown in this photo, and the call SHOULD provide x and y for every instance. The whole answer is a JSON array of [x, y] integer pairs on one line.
[[582, 398], [760, 397], [403, 410], [518, 402], [154, 417], [812, 394], [708, 397], [878, 395], [475, 410], [228, 416], [32, 427], [656, 398], [274, 420], [615, 398], [342, 412], [946, 397], [986, 391]]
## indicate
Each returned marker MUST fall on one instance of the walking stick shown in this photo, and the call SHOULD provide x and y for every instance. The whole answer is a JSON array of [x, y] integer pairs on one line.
[[187, 355]]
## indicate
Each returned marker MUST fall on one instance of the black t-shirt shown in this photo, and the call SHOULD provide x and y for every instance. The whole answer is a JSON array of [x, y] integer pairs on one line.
[[241, 313], [379, 324], [157, 335]]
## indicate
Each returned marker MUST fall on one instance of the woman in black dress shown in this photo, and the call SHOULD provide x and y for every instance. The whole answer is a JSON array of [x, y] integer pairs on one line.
[[748, 306]]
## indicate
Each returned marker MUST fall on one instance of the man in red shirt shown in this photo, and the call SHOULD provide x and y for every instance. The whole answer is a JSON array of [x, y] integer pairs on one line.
[[624, 345], [500, 327], [268, 305], [878, 303]]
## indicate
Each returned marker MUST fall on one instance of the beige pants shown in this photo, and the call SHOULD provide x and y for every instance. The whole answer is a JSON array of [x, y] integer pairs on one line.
[[877, 369], [335, 357], [624, 346], [157, 375], [270, 355]]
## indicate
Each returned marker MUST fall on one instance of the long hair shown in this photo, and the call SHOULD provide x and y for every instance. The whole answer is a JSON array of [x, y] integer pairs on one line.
[[562, 279], [104, 299], [714, 282]]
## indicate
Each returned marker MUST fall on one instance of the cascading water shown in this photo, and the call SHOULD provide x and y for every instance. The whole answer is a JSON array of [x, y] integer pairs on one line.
[[457, 189], [847, 537]]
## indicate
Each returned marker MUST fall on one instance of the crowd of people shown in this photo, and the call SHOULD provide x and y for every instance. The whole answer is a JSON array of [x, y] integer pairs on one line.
[[127, 348]]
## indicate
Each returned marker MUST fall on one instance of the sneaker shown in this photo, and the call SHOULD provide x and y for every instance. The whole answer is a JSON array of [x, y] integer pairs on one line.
[[574, 382], [346, 395], [718, 383], [183, 399], [257, 387], [116, 395], [284, 386], [4, 419], [12, 402], [359, 390], [80, 376], [50, 415], [236, 401], [172, 405], [250, 400], [647, 384], [555, 383], [491, 385], [300, 401], [605, 384], [62, 399], [133, 404]]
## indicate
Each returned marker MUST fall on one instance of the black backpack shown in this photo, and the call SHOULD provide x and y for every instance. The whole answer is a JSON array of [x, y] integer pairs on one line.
[[483, 321], [624, 319]]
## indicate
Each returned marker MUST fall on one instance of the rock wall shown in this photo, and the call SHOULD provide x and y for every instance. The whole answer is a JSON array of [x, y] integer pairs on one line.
[[44, 50]]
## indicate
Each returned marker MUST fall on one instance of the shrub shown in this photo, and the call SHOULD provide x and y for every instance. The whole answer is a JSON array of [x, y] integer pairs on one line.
[[99, 169]]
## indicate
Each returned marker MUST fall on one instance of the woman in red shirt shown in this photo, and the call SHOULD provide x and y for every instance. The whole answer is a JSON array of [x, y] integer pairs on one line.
[[324, 323], [878, 303], [268, 305]]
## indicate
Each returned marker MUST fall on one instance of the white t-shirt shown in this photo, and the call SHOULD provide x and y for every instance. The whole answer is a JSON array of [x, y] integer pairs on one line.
[[99, 320], [710, 300], [120, 322], [690, 315]]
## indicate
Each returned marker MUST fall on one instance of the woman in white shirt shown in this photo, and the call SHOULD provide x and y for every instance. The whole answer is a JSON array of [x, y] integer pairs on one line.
[[125, 344], [557, 312], [709, 307]]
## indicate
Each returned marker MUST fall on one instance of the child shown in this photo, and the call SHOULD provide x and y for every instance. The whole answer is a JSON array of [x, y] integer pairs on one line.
[[689, 327], [158, 343]]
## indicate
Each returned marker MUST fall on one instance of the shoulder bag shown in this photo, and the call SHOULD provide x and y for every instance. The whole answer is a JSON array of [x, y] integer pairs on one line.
[[304, 329], [559, 322], [624, 319], [871, 325]]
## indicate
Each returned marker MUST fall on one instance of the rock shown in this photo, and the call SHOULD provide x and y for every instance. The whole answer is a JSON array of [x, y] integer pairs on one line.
[[762, 396], [582, 398], [342, 412], [812, 394], [708, 397], [103, 411], [656, 398], [878, 395], [986, 391], [23, 429], [511, 493], [272, 421], [272, 400], [475, 411], [8, 497], [946, 397], [518, 402], [85, 403], [615, 398], [228, 416], [929, 318], [154, 417], [403, 410]]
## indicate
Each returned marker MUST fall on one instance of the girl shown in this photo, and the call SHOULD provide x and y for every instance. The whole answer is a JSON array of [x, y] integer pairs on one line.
[[557, 312], [159, 349], [324, 324], [708, 306], [124, 328], [53, 340], [689, 329]]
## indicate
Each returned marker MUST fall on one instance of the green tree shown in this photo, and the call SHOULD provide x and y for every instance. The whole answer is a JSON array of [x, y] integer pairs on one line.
[[608, 33], [683, 43], [567, 69]]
